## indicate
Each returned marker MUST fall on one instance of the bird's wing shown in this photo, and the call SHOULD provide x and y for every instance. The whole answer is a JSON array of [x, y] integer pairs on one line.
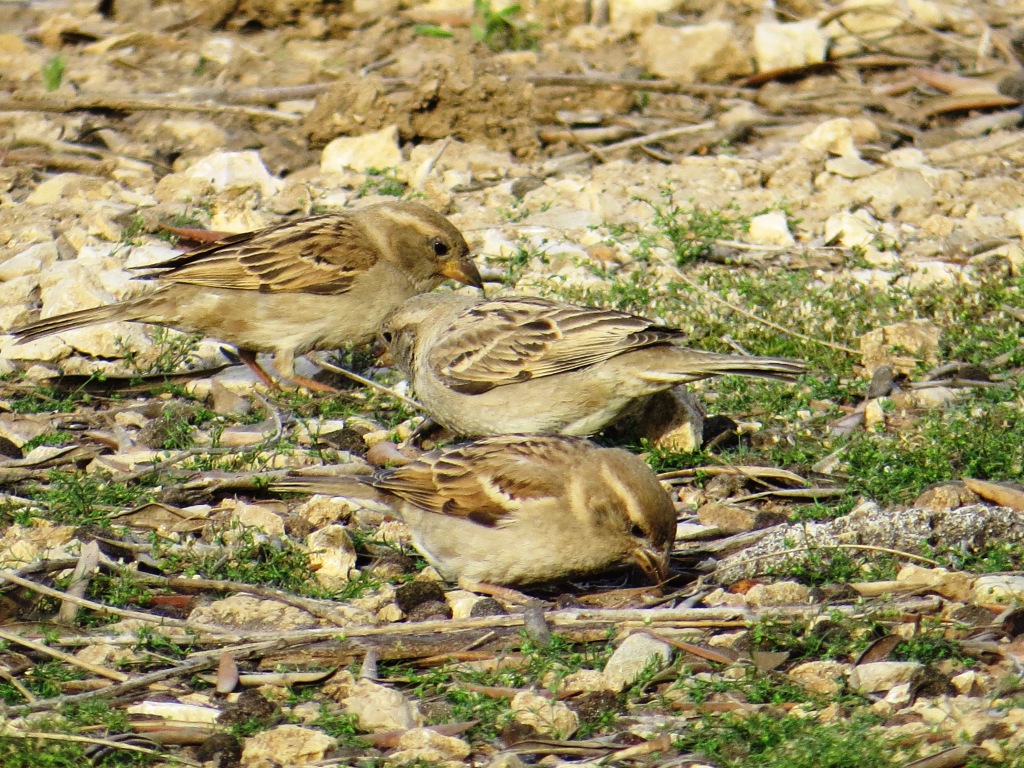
[[323, 254], [487, 480], [512, 340]]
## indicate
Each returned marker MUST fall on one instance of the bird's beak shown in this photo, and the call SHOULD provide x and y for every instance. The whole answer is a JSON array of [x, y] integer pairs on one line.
[[382, 354], [464, 271], [653, 562]]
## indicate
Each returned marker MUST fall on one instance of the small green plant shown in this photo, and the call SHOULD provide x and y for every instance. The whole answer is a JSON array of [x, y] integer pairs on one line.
[[765, 740], [131, 231], [53, 72], [149, 639], [836, 566], [79, 498], [341, 725], [44, 679], [754, 687], [517, 263], [692, 231], [48, 400], [929, 645], [837, 638], [253, 559], [381, 181], [119, 589], [169, 352], [503, 30], [431, 30], [548, 664], [60, 437]]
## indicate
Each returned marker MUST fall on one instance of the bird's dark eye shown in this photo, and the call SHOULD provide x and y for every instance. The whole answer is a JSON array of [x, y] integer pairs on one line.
[[637, 531], [440, 247], [387, 337]]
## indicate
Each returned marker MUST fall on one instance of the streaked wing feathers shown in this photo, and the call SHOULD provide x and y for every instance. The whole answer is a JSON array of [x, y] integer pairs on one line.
[[513, 340], [485, 481], [316, 255]]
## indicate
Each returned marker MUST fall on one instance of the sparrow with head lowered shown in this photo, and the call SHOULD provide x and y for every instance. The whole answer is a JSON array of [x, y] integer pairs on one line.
[[315, 283], [536, 366], [515, 509]]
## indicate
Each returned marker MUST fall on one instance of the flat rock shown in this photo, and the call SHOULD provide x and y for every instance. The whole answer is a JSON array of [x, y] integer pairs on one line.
[[702, 52], [332, 556], [884, 675], [375, 150], [546, 716], [824, 677], [788, 45], [378, 707], [286, 745], [636, 654]]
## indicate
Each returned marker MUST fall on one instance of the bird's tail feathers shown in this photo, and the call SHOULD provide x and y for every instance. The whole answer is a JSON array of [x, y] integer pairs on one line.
[[351, 487], [692, 365], [73, 320]]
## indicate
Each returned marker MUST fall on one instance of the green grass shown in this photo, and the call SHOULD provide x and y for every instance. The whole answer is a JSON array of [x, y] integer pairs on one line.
[[544, 667], [981, 435], [79, 498], [754, 687], [503, 30], [253, 559], [95, 719], [58, 437], [381, 181], [771, 740]]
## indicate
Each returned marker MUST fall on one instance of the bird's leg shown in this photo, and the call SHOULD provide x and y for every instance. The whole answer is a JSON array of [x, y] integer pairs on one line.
[[248, 357], [493, 590], [314, 386]]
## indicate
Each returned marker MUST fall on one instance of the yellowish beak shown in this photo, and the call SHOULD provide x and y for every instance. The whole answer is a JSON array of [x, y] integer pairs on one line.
[[653, 563], [464, 271]]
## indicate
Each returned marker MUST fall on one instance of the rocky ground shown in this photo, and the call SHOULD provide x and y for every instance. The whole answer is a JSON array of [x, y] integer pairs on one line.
[[838, 184]]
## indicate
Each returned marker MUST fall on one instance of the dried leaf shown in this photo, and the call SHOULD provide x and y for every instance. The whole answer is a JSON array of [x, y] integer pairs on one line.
[[997, 493], [879, 650], [227, 673], [88, 560], [766, 661]]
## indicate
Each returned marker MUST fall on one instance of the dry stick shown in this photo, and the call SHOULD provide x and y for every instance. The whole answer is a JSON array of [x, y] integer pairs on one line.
[[682, 617], [658, 86], [371, 384], [95, 669], [211, 451], [117, 689], [751, 316], [734, 469], [13, 681], [40, 103], [217, 585], [127, 746], [793, 493], [108, 610], [987, 151], [553, 166], [429, 167], [250, 96]]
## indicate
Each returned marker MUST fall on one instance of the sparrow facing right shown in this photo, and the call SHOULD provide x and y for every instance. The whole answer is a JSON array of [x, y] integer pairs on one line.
[[535, 366], [316, 283], [516, 509]]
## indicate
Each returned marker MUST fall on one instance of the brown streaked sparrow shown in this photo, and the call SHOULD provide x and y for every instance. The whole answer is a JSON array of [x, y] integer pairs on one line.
[[315, 283], [535, 366], [518, 509]]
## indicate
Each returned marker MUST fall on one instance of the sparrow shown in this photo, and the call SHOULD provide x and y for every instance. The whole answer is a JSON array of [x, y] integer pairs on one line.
[[536, 366], [518, 509], [315, 283]]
